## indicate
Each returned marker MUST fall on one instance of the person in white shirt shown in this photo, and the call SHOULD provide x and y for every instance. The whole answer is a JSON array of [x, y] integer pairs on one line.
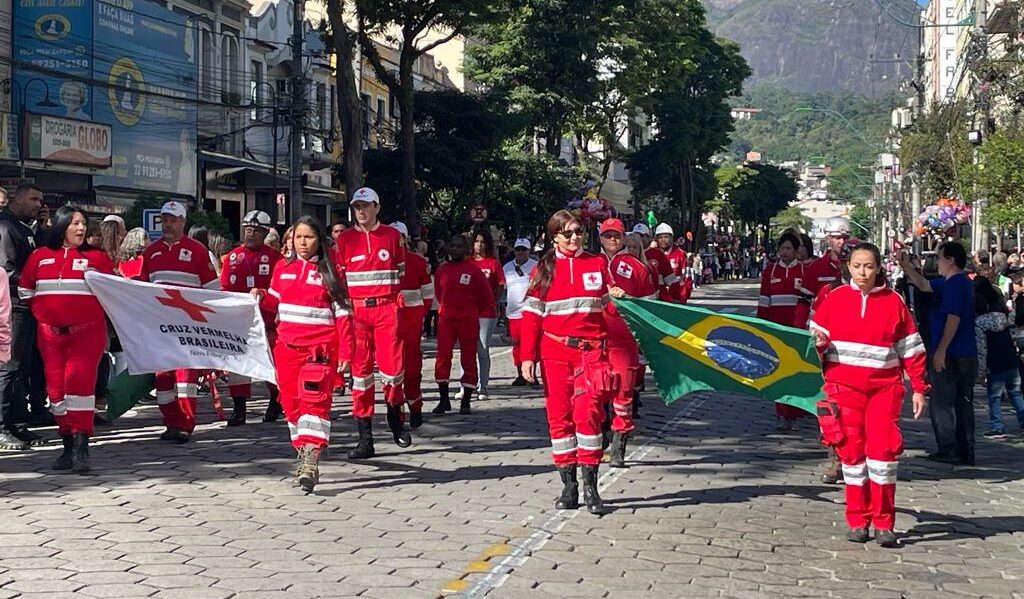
[[517, 279]]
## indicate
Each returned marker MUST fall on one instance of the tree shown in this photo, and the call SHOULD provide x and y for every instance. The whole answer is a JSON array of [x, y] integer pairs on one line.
[[936, 148], [413, 19], [999, 177], [343, 39], [758, 192], [790, 218]]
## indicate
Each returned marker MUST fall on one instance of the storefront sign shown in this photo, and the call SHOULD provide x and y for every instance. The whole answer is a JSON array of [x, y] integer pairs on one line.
[[70, 141], [8, 136]]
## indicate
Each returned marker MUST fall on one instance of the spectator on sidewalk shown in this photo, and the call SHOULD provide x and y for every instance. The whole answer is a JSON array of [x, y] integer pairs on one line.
[[953, 364], [997, 356]]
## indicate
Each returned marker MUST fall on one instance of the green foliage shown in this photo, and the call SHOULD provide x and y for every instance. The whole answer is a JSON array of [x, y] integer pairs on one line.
[[789, 218], [215, 222], [999, 178], [133, 216], [937, 150], [862, 221], [758, 192]]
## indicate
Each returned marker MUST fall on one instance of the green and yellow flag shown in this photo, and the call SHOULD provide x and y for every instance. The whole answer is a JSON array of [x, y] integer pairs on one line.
[[692, 349]]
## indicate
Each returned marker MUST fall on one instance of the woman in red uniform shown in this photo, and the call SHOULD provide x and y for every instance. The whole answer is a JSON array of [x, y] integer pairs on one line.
[[72, 332], [314, 334], [484, 257], [869, 342], [564, 326], [631, 275], [781, 301]]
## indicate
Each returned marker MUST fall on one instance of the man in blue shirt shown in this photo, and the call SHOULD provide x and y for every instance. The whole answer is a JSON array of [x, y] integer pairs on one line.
[[954, 354]]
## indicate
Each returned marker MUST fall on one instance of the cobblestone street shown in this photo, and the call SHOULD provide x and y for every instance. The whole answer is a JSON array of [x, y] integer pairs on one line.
[[715, 503]]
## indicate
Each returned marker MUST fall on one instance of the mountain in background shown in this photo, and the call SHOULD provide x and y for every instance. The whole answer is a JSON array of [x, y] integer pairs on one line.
[[821, 45]]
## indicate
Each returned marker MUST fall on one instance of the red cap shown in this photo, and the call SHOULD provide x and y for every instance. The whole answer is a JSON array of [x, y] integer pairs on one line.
[[612, 224]]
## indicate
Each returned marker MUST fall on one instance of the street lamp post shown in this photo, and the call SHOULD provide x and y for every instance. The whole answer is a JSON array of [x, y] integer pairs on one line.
[[7, 85]]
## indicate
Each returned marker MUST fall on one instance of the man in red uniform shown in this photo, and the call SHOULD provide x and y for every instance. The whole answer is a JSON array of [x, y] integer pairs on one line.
[[370, 258], [631, 275], [244, 269], [676, 257], [176, 259], [463, 292], [668, 281], [828, 268], [417, 295]]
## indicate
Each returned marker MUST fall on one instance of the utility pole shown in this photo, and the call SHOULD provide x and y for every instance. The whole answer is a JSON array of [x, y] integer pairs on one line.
[[979, 234], [915, 189], [298, 114]]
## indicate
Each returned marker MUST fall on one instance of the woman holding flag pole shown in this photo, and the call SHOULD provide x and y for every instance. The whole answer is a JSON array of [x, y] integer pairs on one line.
[[564, 327], [868, 341], [72, 331], [314, 335]]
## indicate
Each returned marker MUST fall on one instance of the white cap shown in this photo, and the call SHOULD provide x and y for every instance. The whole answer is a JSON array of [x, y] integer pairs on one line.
[[400, 227], [837, 226], [663, 229], [174, 209], [113, 218], [365, 194], [641, 229], [522, 242], [256, 218]]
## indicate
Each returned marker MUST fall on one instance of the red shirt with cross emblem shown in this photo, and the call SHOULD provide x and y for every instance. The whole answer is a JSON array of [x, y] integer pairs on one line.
[[53, 283], [572, 306], [495, 278], [667, 281], [462, 290], [306, 314], [417, 290], [185, 263], [370, 262], [633, 277], [244, 269]]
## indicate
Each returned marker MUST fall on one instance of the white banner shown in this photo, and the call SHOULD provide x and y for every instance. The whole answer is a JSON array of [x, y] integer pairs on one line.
[[164, 328]]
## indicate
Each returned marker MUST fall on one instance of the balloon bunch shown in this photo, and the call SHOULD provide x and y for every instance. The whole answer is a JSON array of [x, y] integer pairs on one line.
[[590, 209], [943, 216]]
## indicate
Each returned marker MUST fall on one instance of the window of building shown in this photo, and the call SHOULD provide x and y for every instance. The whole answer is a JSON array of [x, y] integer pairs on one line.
[[256, 91], [321, 106], [230, 70], [331, 107], [207, 63], [381, 110]]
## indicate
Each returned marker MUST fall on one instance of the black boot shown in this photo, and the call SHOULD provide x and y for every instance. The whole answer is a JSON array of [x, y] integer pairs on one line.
[[80, 453], [617, 452], [364, 448], [403, 438], [636, 404], [590, 496], [520, 379], [570, 497], [64, 460], [464, 397], [274, 410], [238, 413], [416, 416], [445, 404]]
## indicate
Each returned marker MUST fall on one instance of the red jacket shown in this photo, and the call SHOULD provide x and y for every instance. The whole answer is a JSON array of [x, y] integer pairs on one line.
[[53, 283], [244, 269], [495, 278], [185, 263], [370, 262], [821, 273], [633, 276], [779, 300], [667, 281], [306, 314], [677, 259], [572, 306], [462, 290], [417, 290], [871, 339]]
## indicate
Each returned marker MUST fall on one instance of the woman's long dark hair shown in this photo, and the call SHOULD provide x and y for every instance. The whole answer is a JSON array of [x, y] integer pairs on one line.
[[324, 265], [61, 221], [488, 241], [546, 265]]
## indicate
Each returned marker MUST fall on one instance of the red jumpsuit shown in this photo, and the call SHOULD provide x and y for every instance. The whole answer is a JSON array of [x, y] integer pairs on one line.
[[463, 293], [677, 259], [71, 333], [417, 295], [871, 342], [313, 335], [565, 326], [185, 263], [667, 280], [371, 264], [244, 269], [633, 277], [780, 301]]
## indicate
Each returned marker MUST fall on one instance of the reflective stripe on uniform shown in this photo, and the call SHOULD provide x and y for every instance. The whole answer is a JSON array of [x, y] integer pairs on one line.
[[187, 389], [861, 354], [79, 403], [395, 380], [563, 445], [576, 305], [783, 299], [293, 431], [427, 291], [855, 474], [372, 277], [297, 314], [534, 305], [60, 287], [313, 426], [165, 397], [909, 346], [362, 383], [589, 442], [212, 284], [340, 310], [412, 297], [175, 277], [882, 473], [25, 294], [672, 279], [818, 327], [764, 301]]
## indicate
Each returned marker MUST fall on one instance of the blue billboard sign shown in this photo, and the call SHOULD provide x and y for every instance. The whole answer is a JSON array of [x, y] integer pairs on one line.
[[134, 63]]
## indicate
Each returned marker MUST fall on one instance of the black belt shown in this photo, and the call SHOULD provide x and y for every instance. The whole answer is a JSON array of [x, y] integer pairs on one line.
[[584, 343]]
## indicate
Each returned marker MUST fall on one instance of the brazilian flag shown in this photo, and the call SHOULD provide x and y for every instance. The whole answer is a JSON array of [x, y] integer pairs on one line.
[[692, 349]]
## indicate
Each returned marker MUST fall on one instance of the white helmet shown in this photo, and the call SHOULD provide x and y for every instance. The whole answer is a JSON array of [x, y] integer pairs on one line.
[[400, 227], [663, 229], [256, 218], [837, 225]]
